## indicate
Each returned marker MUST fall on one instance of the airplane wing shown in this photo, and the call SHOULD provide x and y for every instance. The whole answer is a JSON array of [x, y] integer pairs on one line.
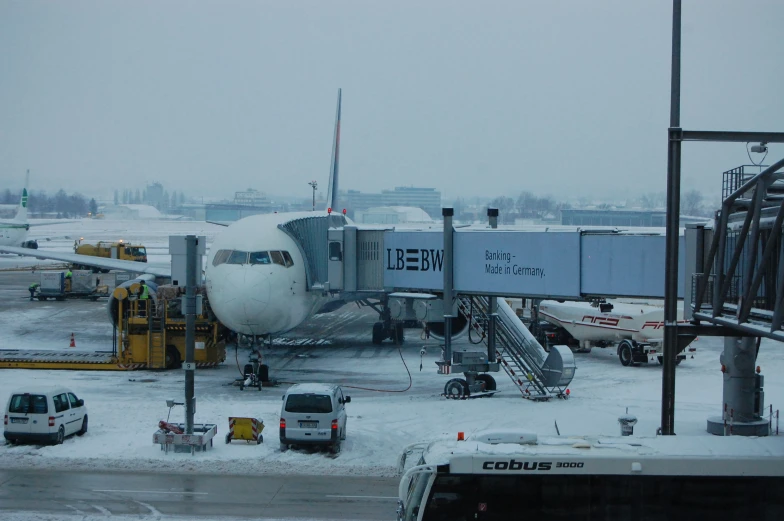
[[88, 260]]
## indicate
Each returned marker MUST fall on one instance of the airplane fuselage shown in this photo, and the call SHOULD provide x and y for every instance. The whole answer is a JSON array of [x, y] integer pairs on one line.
[[13, 234]]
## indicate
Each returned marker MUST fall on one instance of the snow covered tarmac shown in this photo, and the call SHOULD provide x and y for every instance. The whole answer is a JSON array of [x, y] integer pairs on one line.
[[124, 408]]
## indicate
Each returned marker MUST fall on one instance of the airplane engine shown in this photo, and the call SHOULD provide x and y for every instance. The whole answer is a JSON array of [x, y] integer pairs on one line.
[[459, 327], [431, 312], [113, 304]]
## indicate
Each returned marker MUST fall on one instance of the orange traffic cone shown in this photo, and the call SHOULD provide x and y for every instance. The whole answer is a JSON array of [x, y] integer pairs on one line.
[[73, 341]]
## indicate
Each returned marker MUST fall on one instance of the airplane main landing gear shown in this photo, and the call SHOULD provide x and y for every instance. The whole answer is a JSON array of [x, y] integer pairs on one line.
[[393, 331], [386, 328]]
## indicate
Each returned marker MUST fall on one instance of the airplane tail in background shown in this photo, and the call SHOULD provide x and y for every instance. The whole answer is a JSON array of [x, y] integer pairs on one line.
[[21, 213], [332, 192]]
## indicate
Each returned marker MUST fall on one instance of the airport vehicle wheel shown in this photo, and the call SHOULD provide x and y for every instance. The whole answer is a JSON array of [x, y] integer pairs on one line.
[[661, 360], [83, 430], [228, 437], [242, 386], [625, 353], [260, 439], [42, 299], [488, 380], [343, 434], [335, 448], [264, 373], [60, 435], [284, 447], [378, 333], [172, 357], [456, 389]]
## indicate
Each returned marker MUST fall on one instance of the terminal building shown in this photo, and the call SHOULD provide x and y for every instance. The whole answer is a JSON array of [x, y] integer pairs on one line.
[[634, 217], [246, 203], [428, 199]]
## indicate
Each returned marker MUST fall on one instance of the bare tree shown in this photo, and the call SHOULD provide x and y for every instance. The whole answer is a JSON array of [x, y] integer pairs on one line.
[[691, 203]]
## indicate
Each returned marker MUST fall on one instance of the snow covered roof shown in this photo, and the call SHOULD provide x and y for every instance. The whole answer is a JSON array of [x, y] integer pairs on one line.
[[312, 388]]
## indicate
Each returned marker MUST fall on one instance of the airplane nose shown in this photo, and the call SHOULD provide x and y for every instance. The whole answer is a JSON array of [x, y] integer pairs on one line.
[[244, 299]]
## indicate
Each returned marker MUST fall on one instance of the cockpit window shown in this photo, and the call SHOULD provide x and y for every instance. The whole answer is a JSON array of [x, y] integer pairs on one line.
[[260, 257], [238, 257], [277, 258], [287, 258], [221, 257]]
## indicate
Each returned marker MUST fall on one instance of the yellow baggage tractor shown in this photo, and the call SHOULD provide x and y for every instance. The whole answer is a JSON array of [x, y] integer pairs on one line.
[[248, 429]]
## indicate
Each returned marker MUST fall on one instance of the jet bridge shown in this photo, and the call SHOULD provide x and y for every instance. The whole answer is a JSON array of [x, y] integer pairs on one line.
[[408, 268]]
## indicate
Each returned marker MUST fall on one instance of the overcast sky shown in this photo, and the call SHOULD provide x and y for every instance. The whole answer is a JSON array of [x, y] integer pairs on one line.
[[565, 98]]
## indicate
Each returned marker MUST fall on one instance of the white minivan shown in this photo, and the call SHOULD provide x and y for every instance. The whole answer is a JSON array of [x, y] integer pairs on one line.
[[313, 414], [44, 416]]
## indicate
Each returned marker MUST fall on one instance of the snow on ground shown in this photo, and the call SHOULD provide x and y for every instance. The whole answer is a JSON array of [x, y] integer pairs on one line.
[[125, 407]]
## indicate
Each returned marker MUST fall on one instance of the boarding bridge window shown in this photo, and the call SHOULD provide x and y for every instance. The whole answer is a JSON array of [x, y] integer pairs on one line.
[[238, 257], [277, 258], [335, 251], [287, 259], [260, 257], [221, 257]]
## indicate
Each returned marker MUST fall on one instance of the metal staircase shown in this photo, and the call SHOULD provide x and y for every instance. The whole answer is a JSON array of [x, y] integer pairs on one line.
[[156, 354], [536, 374]]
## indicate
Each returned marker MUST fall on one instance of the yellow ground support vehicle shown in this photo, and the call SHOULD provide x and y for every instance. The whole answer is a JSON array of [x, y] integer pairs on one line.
[[111, 250], [150, 334], [153, 331]]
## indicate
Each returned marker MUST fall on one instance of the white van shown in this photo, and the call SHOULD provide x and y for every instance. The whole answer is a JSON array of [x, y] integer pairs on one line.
[[44, 416], [313, 414]]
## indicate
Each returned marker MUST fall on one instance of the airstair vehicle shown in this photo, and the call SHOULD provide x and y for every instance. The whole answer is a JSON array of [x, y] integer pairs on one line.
[[538, 375]]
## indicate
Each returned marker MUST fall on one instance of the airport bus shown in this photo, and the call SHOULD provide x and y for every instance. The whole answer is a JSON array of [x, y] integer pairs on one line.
[[507, 476]]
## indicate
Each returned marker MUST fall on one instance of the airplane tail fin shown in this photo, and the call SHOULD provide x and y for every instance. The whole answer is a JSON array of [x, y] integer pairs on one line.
[[332, 192], [21, 213]]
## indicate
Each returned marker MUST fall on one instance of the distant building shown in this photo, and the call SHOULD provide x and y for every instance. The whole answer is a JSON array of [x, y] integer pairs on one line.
[[630, 218], [428, 199], [130, 211], [154, 195], [392, 215]]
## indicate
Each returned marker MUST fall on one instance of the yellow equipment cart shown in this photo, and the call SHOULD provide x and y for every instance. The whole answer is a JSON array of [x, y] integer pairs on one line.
[[248, 429]]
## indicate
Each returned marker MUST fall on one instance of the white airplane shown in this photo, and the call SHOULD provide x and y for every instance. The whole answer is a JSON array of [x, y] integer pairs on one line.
[[16, 231], [255, 275]]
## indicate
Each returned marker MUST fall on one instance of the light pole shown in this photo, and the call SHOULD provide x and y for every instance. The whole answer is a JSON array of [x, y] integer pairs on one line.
[[314, 185]]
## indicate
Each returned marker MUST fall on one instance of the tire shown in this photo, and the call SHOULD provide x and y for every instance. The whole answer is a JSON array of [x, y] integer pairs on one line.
[[378, 333], [335, 448], [264, 373], [343, 434], [489, 381], [172, 357], [456, 389], [260, 440], [661, 360], [42, 299], [60, 436], [284, 447], [625, 353], [83, 430], [228, 438]]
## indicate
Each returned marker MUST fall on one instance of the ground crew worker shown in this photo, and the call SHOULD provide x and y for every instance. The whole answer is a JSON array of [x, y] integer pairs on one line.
[[68, 274], [144, 296], [68, 278], [33, 287]]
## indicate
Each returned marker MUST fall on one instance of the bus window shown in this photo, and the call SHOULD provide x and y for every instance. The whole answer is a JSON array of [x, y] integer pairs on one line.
[[259, 257], [287, 258], [277, 258], [238, 257], [221, 257]]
